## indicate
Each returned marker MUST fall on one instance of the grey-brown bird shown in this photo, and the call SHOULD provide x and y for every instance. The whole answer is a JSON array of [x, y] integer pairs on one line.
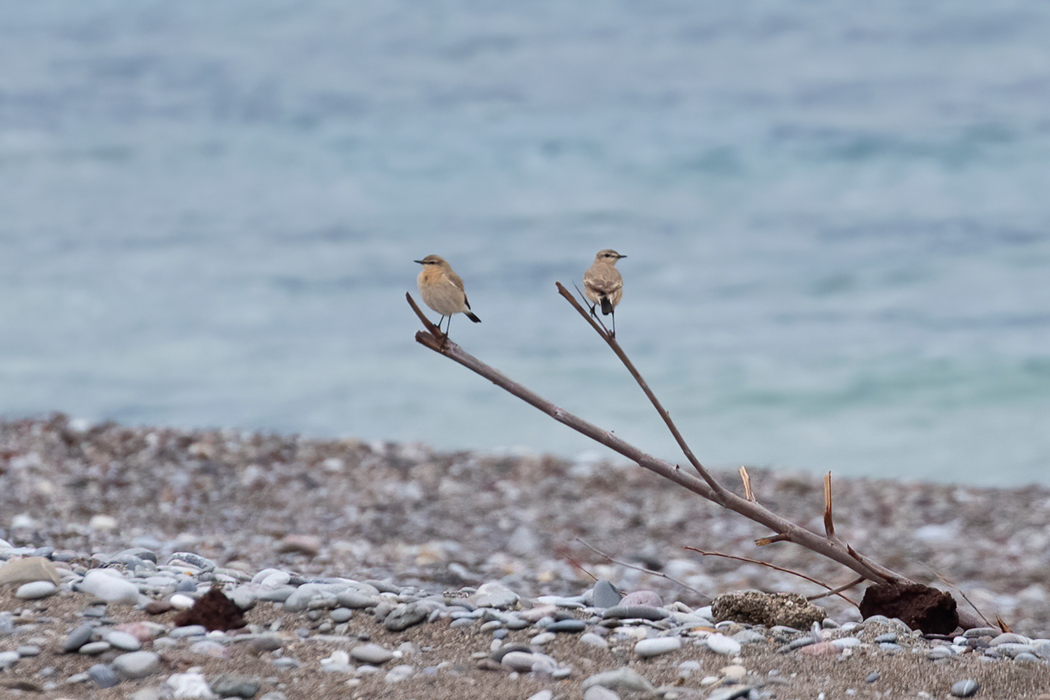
[[603, 284], [442, 290]]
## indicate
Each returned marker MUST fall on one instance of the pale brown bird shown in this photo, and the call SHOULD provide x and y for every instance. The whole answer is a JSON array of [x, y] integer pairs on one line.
[[442, 290], [603, 284]]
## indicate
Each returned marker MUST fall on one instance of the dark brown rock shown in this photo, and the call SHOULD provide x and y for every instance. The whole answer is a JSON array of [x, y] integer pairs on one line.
[[919, 607]]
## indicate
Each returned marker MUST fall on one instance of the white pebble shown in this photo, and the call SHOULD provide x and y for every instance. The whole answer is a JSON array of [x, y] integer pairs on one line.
[[656, 646], [108, 585], [36, 589], [180, 601], [721, 644], [399, 673]]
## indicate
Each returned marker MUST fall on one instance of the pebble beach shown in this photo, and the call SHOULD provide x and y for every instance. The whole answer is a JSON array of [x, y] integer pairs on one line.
[[392, 570]]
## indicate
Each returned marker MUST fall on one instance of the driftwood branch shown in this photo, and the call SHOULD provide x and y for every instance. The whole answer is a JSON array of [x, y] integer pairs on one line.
[[705, 486]]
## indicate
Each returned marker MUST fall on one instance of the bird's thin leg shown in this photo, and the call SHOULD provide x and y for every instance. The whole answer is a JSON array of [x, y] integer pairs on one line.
[[448, 326], [592, 310]]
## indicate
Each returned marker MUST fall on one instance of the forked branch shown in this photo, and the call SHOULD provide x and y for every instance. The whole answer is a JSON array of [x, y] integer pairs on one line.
[[705, 485]]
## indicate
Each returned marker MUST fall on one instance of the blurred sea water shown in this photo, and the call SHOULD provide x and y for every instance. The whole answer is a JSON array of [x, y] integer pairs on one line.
[[836, 218]]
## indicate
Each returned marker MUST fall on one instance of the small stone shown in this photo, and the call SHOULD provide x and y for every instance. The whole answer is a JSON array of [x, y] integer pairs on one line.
[[399, 673], [107, 585], [104, 676], [964, 689], [622, 678], [656, 646], [93, 648], [734, 672], [591, 639], [181, 601], [341, 615], [495, 595], [189, 685], [518, 661], [202, 563], [605, 595], [78, 637], [234, 686], [721, 644], [356, 600], [819, 649], [636, 612], [137, 664], [371, 654], [405, 616], [28, 650], [35, 590], [567, 626], [650, 598], [872, 677], [542, 695], [8, 659], [599, 692], [123, 641]]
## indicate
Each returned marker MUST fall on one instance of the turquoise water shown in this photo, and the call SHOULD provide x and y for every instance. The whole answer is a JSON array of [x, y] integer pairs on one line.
[[836, 220]]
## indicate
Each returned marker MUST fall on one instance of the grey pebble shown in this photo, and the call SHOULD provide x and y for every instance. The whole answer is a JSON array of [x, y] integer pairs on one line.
[[92, 648], [371, 654], [636, 612], [28, 650], [78, 637], [193, 559], [567, 626], [104, 676], [964, 689], [521, 661], [234, 686], [340, 615], [598, 692], [732, 693], [624, 678], [605, 595], [399, 673], [405, 616], [188, 631], [889, 637], [122, 641], [872, 677], [137, 664]]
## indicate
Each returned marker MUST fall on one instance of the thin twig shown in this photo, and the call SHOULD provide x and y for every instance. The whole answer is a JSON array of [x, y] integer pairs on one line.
[[720, 492], [829, 523], [748, 560], [642, 568], [835, 591], [748, 493]]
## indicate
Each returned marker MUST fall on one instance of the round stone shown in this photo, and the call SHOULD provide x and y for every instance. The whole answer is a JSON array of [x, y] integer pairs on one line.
[[721, 644], [92, 648], [371, 654], [518, 661], [399, 673], [964, 689], [110, 587], [123, 641], [137, 664], [104, 676]]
